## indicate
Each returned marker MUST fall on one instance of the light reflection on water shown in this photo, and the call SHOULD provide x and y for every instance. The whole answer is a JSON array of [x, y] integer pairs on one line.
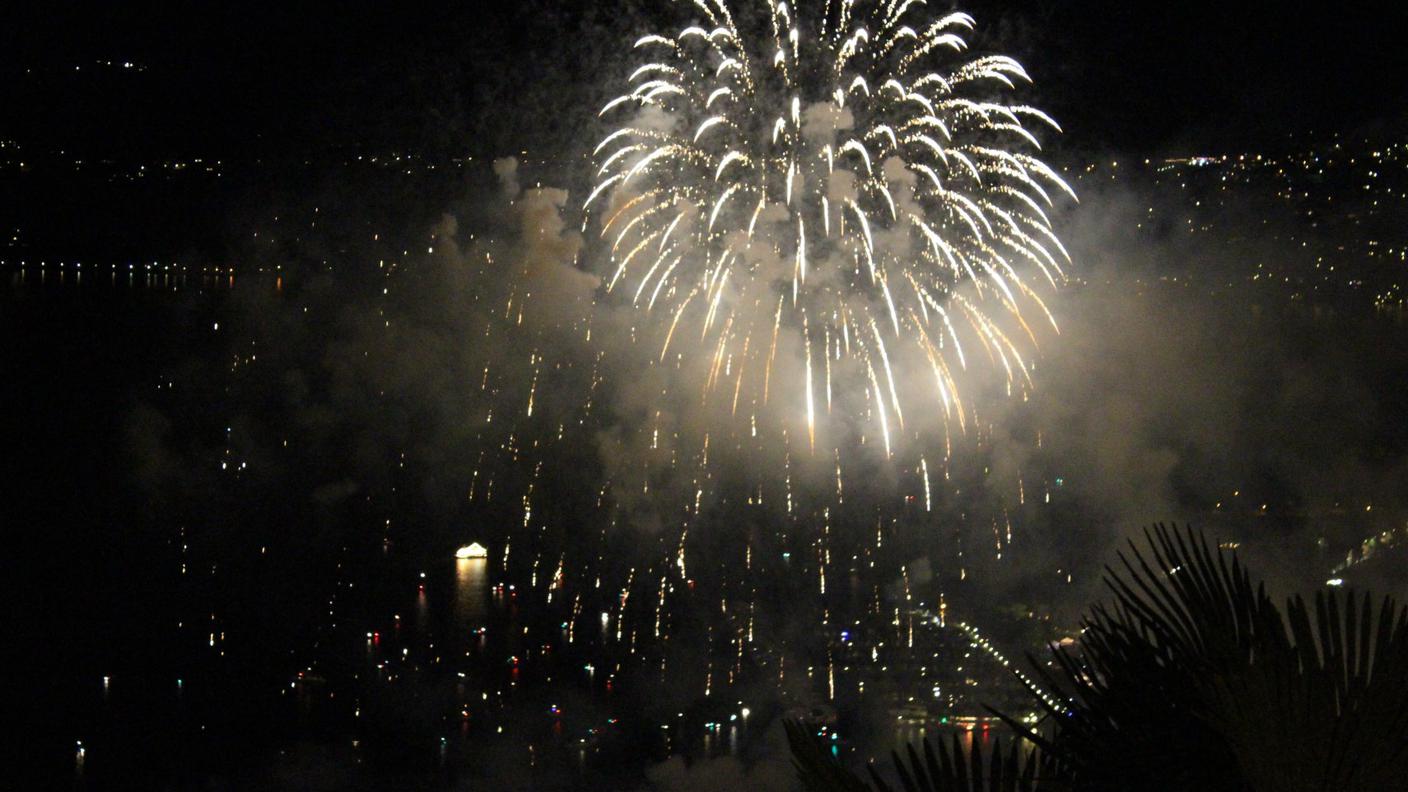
[[943, 735], [914, 734], [471, 607]]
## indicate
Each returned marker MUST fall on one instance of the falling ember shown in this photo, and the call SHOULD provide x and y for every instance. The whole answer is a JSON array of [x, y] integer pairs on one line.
[[924, 470], [811, 412]]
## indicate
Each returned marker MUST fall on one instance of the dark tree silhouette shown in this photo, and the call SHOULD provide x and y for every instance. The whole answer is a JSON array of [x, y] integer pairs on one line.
[[1191, 678]]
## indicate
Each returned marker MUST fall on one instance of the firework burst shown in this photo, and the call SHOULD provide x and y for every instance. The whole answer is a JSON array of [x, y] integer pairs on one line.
[[837, 187]]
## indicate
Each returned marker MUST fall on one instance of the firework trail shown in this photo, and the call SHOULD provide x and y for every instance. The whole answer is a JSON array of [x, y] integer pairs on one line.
[[816, 224], [838, 187]]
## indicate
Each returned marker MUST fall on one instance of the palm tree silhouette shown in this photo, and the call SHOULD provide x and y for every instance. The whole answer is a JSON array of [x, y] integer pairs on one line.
[[1191, 678]]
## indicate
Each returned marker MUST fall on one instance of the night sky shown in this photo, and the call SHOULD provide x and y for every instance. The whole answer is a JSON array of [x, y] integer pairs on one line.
[[296, 299], [236, 79]]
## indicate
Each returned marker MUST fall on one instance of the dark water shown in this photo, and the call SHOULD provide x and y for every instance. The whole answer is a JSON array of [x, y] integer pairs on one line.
[[221, 630], [162, 644], [90, 576]]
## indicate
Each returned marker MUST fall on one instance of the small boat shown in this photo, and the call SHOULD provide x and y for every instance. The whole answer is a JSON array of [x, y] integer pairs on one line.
[[472, 550]]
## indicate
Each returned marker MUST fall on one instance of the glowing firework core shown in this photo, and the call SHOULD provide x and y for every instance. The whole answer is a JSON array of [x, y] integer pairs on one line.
[[828, 176]]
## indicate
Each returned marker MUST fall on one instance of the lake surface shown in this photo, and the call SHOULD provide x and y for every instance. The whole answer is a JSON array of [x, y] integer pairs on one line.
[[215, 627]]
